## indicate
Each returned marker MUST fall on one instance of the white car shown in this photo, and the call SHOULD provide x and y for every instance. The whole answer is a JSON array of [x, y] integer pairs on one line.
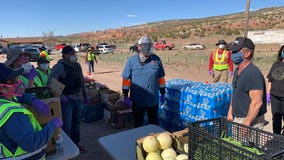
[[194, 46], [105, 48]]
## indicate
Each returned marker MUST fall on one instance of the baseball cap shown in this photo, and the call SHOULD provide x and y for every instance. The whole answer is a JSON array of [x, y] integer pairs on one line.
[[7, 73], [68, 50], [241, 42], [13, 54], [144, 39], [221, 42]]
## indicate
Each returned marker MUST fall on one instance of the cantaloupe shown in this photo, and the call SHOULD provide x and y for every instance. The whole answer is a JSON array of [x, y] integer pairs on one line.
[[185, 147], [165, 140], [169, 152], [182, 157], [154, 156], [150, 144], [169, 158]]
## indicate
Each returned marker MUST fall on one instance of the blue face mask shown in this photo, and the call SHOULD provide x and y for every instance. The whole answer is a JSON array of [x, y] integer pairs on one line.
[[282, 54], [237, 58]]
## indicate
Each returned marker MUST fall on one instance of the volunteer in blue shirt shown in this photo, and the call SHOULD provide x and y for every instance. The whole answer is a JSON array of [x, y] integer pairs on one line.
[[21, 136], [143, 76]]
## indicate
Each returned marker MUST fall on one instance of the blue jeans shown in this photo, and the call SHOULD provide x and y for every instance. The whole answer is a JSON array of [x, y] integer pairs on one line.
[[71, 112], [91, 66]]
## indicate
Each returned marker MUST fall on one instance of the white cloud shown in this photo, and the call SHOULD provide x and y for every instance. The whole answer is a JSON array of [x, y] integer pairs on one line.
[[132, 15]]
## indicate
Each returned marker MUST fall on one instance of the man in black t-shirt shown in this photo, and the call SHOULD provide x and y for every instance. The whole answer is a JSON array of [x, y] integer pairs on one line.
[[248, 103]]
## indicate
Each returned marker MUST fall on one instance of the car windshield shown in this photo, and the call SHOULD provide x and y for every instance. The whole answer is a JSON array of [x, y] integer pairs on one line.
[[108, 46]]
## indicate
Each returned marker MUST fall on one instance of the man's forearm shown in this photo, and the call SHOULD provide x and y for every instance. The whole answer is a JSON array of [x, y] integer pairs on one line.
[[253, 111]]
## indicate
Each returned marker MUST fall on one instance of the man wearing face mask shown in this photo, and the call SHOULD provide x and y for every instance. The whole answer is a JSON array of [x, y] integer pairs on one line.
[[69, 72], [18, 59], [21, 136], [220, 63], [248, 102], [143, 76], [43, 70]]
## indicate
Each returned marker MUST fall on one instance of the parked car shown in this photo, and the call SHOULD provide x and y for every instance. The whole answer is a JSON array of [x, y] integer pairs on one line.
[[162, 45], [194, 46], [3, 49], [34, 53], [59, 46], [105, 48]]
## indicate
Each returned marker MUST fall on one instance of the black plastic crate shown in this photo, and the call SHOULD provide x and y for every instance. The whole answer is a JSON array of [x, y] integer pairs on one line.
[[206, 142], [91, 113]]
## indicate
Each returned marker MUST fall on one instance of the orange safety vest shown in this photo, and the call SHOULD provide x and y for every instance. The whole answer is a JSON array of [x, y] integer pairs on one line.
[[221, 64]]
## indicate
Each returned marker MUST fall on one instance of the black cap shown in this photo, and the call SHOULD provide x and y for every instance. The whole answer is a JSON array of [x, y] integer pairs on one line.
[[42, 60], [221, 42], [7, 73], [241, 42], [68, 50]]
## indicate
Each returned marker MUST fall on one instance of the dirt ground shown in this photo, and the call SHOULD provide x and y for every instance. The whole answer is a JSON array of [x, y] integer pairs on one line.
[[110, 74]]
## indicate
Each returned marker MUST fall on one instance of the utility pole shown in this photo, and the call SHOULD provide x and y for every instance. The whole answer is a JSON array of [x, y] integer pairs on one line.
[[247, 18]]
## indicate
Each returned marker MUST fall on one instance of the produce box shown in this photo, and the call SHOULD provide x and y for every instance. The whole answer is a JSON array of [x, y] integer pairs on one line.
[[141, 154], [94, 96], [220, 139], [109, 95], [91, 113], [181, 140], [119, 118], [51, 144]]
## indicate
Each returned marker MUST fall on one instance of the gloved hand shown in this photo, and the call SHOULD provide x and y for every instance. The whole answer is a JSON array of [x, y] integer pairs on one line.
[[268, 98], [127, 102], [31, 75], [40, 107], [86, 100], [63, 99], [162, 99], [231, 74], [210, 73], [56, 122]]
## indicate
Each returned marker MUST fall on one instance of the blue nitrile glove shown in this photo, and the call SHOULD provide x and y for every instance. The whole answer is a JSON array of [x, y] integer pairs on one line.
[[268, 98], [31, 75], [56, 122], [41, 107], [86, 100], [127, 102], [162, 99], [63, 99], [210, 73], [231, 74]]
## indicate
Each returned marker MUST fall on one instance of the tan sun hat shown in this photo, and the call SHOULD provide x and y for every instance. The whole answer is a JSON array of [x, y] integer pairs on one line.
[[12, 55]]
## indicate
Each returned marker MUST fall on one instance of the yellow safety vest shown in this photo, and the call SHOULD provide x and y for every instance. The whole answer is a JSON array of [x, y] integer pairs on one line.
[[221, 64], [37, 81], [90, 56], [43, 77], [7, 109]]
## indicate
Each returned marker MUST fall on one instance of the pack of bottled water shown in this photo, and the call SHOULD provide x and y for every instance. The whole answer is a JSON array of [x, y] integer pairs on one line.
[[189, 101]]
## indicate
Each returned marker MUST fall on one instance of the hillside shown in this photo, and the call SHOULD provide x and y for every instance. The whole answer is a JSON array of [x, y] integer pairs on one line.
[[233, 24]]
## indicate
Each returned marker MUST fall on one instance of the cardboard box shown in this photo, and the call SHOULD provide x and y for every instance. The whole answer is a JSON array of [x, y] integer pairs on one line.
[[180, 139], [54, 104], [51, 144]]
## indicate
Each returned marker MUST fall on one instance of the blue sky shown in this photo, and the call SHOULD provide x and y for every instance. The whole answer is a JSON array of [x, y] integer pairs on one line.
[[26, 18]]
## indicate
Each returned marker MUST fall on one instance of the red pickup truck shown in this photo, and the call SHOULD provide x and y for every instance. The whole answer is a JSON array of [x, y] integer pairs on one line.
[[162, 45]]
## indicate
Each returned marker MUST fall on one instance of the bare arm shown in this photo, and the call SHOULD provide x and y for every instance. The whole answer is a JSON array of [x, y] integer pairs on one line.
[[268, 87], [254, 107]]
